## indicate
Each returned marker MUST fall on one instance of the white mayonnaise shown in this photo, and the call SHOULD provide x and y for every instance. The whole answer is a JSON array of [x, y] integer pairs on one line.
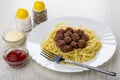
[[14, 38]]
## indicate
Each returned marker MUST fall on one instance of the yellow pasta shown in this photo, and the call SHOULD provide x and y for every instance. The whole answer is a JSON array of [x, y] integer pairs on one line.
[[78, 55]]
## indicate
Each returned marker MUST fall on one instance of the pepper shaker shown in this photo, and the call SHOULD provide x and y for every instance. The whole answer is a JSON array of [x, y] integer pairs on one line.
[[39, 12]]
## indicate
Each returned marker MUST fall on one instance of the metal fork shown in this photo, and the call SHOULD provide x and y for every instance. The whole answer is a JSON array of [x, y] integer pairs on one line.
[[55, 58]]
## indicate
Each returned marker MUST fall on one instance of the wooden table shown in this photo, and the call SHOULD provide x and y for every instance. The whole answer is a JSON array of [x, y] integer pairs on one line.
[[104, 11]]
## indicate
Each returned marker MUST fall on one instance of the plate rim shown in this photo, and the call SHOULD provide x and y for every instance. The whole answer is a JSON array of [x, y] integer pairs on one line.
[[75, 17]]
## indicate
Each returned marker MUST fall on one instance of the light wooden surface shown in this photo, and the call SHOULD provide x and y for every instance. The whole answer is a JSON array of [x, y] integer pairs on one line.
[[104, 11]]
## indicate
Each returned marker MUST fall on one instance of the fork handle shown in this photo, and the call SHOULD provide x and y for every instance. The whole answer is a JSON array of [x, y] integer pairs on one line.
[[93, 68]]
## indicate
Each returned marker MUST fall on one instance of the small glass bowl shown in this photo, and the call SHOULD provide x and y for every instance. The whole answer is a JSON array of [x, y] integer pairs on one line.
[[14, 43], [16, 64]]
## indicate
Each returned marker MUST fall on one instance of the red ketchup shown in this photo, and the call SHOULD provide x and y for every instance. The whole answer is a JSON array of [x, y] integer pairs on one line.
[[17, 58]]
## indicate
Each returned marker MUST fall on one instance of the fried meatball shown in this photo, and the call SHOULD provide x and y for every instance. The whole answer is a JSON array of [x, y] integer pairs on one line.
[[75, 37], [60, 31], [85, 37], [69, 29], [61, 43], [68, 33], [82, 43], [58, 37], [79, 32], [66, 48], [68, 39], [74, 44]]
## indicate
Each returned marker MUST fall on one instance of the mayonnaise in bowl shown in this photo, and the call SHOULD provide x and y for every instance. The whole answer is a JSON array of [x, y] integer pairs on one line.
[[14, 38]]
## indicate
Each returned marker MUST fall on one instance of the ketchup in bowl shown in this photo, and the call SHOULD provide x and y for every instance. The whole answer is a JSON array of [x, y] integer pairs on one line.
[[17, 57]]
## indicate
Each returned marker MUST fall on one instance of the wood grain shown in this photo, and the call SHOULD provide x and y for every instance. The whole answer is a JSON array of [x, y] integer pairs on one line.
[[104, 11]]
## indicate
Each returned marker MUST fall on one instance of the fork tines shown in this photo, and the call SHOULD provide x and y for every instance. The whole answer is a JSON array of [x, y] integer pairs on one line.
[[47, 54], [51, 56]]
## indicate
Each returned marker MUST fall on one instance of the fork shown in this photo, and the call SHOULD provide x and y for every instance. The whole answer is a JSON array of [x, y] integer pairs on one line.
[[55, 58]]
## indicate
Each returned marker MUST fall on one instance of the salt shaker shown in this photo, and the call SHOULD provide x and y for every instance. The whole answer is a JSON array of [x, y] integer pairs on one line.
[[23, 20], [39, 12]]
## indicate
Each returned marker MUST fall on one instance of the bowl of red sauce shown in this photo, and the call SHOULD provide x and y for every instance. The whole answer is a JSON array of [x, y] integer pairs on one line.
[[16, 57]]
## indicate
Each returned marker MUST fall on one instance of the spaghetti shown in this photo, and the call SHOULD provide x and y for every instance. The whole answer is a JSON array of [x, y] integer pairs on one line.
[[77, 55]]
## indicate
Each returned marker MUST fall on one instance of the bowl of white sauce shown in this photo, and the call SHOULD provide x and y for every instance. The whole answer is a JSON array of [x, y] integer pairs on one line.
[[14, 38]]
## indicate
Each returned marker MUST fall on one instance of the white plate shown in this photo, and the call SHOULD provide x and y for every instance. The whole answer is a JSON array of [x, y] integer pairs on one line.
[[38, 34]]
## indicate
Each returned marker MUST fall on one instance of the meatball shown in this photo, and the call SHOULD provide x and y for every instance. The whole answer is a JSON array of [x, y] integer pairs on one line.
[[74, 44], [75, 37], [66, 48], [79, 32], [61, 43], [85, 37], [69, 29], [68, 33], [60, 31], [68, 40], [82, 43], [58, 37]]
